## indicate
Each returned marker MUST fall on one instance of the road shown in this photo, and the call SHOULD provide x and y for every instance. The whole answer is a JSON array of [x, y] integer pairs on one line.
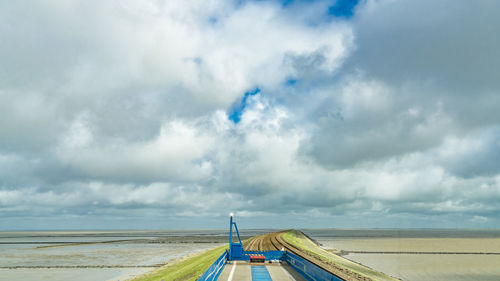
[[245, 271], [274, 241]]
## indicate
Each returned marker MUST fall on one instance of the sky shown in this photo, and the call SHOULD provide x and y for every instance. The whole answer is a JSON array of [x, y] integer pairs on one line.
[[151, 114]]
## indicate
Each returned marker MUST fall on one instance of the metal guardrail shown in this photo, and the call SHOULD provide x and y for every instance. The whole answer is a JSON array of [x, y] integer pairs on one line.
[[213, 272], [308, 270]]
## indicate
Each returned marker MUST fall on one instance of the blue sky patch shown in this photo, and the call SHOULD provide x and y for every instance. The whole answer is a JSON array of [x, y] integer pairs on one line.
[[334, 8], [236, 111], [291, 82], [343, 8]]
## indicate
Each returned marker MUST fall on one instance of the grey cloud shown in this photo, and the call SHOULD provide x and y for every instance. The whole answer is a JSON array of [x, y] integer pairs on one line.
[[118, 109], [361, 120], [474, 156], [438, 73], [449, 43]]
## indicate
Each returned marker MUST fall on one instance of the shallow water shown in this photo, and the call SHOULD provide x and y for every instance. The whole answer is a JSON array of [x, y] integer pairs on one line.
[[433, 267], [74, 274], [50, 255], [400, 244], [430, 263]]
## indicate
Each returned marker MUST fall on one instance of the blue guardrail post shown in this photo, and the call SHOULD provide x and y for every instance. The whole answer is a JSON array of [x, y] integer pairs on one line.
[[235, 249]]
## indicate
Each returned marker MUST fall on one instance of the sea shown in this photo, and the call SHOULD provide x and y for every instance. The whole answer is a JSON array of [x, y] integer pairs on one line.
[[109, 255], [418, 254]]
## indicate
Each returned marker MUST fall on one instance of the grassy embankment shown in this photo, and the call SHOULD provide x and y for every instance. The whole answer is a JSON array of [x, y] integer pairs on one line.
[[191, 268], [188, 269], [299, 240]]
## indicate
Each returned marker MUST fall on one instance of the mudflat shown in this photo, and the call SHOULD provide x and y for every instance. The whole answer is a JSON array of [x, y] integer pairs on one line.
[[416, 244], [98, 255], [423, 258], [433, 267]]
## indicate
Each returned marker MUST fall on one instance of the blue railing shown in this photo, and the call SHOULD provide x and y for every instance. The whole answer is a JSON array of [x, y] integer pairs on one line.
[[308, 270], [213, 272]]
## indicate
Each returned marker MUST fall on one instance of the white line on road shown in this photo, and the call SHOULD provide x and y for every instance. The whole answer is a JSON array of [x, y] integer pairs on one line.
[[230, 278]]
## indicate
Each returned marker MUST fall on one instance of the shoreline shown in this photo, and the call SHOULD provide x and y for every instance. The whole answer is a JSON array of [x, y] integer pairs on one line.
[[95, 259]]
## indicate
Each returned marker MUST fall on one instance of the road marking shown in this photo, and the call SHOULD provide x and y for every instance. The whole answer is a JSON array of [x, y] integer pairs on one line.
[[287, 273], [260, 273], [230, 278]]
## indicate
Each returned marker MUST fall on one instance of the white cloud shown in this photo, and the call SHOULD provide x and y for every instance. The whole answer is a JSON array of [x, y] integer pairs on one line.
[[120, 107], [177, 153]]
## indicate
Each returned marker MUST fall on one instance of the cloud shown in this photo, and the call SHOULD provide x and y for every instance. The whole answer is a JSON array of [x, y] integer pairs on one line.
[[451, 47], [176, 153], [472, 156], [141, 109]]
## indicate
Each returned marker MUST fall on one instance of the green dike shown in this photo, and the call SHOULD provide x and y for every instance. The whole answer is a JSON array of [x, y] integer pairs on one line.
[[189, 269], [300, 241]]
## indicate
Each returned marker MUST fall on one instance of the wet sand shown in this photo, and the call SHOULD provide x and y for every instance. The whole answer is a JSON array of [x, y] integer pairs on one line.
[[78, 274], [431, 262], [91, 256], [416, 244], [433, 267]]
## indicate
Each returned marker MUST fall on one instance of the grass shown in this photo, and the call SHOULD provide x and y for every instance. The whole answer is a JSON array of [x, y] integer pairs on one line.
[[299, 240], [189, 269]]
